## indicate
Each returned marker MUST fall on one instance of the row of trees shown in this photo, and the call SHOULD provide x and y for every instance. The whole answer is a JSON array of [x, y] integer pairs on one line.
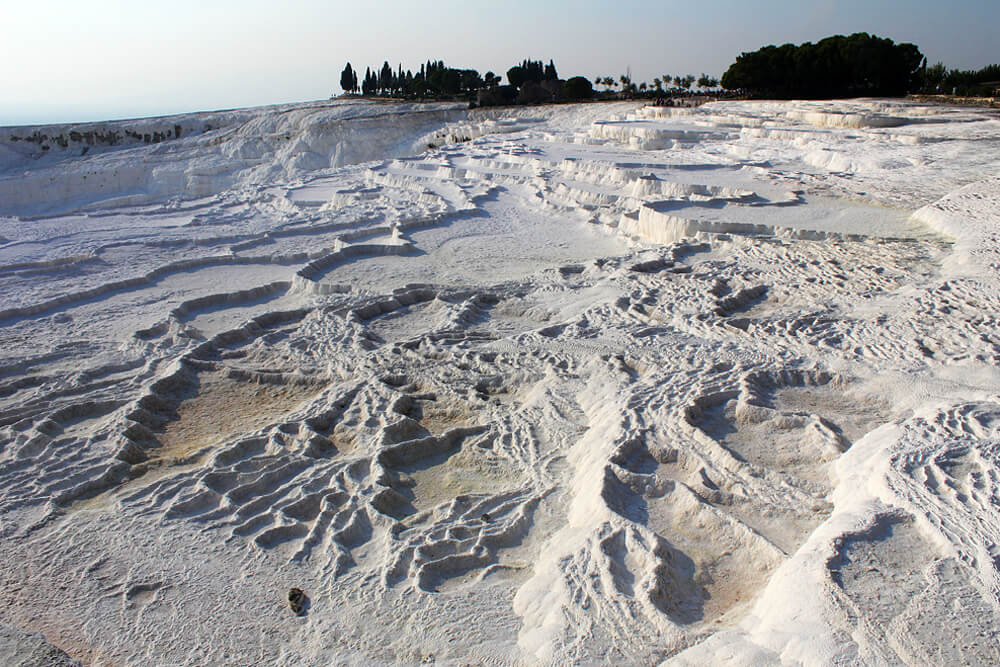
[[838, 66], [529, 81], [667, 85], [432, 80], [531, 71], [982, 83]]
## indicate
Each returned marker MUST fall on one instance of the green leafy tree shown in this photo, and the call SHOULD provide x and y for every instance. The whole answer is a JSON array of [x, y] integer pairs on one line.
[[515, 76], [933, 77], [531, 71], [838, 66], [979, 83], [470, 80], [578, 88], [705, 81]]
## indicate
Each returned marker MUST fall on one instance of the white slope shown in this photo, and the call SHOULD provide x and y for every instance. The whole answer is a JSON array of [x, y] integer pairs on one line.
[[552, 385]]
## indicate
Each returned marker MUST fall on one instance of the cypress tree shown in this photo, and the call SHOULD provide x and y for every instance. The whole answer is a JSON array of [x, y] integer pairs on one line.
[[385, 78], [348, 79], [366, 87]]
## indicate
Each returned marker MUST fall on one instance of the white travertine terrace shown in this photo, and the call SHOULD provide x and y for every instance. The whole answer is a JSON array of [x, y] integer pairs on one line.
[[577, 384]]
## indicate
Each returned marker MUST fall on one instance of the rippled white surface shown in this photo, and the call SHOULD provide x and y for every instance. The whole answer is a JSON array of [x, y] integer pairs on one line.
[[574, 384]]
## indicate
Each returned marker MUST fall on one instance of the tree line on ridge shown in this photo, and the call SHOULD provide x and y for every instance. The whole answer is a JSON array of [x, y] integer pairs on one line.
[[858, 65]]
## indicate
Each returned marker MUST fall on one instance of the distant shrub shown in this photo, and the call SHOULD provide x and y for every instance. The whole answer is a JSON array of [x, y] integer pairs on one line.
[[554, 87], [982, 83], [498, 96], [578, 88], [532, 92]]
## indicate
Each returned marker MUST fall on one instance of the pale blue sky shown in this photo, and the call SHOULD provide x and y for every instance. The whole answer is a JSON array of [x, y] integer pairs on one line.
[[70, 60]]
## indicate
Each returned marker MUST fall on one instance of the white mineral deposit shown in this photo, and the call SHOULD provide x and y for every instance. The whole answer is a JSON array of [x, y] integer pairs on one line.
[[373, 383]]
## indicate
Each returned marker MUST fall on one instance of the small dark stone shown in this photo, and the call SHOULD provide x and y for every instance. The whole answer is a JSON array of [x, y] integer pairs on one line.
[[297, 601]]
